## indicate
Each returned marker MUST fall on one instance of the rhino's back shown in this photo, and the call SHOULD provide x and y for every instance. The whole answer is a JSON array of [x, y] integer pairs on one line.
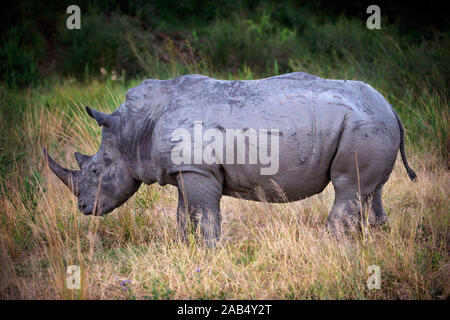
[[202, 95]]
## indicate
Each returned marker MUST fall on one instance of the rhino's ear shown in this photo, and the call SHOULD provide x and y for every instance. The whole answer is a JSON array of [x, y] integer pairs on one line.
[[103, 119]]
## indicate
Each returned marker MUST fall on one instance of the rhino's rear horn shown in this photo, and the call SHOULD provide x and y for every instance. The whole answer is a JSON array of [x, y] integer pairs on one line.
[[81, 158], [103, 119], [68, 177]]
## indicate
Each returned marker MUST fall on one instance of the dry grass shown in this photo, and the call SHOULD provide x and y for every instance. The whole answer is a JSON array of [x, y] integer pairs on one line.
[[267, 251]]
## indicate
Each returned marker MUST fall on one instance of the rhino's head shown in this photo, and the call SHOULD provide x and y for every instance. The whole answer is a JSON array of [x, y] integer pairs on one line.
[[104, 181]]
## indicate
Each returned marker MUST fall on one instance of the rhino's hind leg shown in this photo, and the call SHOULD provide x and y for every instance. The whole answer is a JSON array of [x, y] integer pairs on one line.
[[199, 206], [345, 216], [363, 162], [377, 214], [353, 201]]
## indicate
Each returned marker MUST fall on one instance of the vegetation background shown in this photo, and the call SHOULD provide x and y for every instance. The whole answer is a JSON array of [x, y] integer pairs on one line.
[[48, 73]]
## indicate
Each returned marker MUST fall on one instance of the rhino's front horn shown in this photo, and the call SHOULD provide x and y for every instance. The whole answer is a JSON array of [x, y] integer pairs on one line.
[[68, 177]]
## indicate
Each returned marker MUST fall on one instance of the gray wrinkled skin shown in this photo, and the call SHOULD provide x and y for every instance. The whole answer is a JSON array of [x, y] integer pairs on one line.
[[329, 130]]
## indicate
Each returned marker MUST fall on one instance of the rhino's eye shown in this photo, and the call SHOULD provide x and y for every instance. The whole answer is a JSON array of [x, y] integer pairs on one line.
[[94, 171]]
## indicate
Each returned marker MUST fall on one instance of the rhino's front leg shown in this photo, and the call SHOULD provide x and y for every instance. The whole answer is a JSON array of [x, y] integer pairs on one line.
[[199, 205], [183, 218]]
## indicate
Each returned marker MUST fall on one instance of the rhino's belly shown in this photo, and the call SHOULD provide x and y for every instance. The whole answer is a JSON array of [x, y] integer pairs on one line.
[[286, 186], [302, 169]]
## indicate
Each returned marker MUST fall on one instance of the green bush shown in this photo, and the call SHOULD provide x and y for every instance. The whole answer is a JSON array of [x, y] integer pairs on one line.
[[19, 66], [381, 57], [260, 44], [102, 42]]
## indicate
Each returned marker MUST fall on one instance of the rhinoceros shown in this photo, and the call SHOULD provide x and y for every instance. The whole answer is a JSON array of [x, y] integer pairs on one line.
[[326, 130]]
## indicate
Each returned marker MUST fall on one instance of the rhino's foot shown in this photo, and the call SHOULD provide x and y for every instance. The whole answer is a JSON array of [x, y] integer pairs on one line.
[[344, 219], [377, 211], [373, 211]]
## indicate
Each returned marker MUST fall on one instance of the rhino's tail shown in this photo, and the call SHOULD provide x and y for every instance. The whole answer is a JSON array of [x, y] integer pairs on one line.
[[411, 174]]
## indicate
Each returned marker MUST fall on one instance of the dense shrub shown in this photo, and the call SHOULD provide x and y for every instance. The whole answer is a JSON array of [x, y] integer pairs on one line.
[[348, 45], [245, 38], [261, 44], [19, 65], [102, 42]]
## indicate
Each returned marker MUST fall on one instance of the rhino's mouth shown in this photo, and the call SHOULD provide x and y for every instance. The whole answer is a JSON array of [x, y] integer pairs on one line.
[[89, 209]]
